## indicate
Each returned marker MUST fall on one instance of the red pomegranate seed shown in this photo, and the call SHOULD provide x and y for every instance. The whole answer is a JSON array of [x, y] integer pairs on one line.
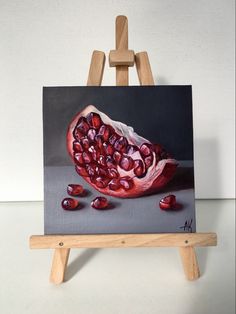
[[121, 144], [69, 204], [168, 202], [110, 162], [94, 120], [93, 152], [145, 149], [114, 184], [91, 134], [138, 168], [85, 143], [82, 125], [126, 163], [117, 156], [75, 189], [101, 172], [108, 148], [99, 203], [77, 147], [101, 182], [87, 157], [131, 149], [81, 171], [99, 140], [126, 183], [112, 173], [79, 158], [148, 161], [113, 138], [104, 132], [91, 169], [102, 160]]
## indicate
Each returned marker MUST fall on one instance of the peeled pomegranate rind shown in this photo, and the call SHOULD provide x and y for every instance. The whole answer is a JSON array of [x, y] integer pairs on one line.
[[116, 146]]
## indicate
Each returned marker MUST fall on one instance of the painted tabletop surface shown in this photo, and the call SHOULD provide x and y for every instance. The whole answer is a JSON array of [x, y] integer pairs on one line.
[[137, 215]]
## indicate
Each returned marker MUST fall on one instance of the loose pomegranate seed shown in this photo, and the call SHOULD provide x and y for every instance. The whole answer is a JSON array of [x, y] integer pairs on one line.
[[99, 203], [168, 202], [77, 147], [126, 163], [75, 189], [69, 204], [94, 120], [91, 134]]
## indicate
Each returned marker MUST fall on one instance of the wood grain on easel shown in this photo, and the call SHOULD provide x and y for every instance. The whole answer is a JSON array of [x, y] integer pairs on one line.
[[123, 240], [96, 68], [122, 71], [144, 69], [59, 263], [189, 261]]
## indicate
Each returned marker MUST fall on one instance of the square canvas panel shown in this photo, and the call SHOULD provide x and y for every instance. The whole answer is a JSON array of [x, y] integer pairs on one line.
[[141, 170]]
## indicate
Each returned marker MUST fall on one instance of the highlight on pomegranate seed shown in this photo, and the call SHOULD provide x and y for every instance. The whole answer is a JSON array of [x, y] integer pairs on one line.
[[168, 202], [114, 159], [75, 189], [70, 204], [99, 202]]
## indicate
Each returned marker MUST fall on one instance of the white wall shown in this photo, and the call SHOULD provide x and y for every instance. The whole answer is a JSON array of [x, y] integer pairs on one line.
[[50, 42]]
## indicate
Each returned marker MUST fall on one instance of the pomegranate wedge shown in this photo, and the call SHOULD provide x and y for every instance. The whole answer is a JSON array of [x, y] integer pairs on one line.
[[115, 160]]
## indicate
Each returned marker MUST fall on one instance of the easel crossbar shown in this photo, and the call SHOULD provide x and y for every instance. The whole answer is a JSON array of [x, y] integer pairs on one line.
[[123, 240]]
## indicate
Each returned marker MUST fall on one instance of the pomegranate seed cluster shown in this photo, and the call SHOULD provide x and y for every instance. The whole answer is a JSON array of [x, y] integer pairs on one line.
[[106, 158]]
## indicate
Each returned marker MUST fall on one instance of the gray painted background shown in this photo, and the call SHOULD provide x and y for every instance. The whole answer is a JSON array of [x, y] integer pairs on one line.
[[162, 114]]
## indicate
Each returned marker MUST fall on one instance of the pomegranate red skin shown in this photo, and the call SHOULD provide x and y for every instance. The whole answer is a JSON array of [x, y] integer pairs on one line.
[[70, 204], [137, 187], [168, 202]]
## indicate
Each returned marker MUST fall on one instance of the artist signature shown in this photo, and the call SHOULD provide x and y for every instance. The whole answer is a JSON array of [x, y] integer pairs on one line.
[[187, 226]]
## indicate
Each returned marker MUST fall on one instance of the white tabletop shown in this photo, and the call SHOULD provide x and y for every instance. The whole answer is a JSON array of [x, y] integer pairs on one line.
[[133, 281]]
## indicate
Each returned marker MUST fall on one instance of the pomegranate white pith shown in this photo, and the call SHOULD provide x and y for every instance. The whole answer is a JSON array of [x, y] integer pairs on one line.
[[114, 159]]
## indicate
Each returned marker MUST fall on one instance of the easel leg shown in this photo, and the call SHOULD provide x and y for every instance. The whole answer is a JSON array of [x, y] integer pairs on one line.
[[190, 263], [59, 263]]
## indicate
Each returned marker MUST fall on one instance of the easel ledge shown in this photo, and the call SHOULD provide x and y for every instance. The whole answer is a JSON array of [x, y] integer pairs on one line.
[[123, 240], [122, 58]]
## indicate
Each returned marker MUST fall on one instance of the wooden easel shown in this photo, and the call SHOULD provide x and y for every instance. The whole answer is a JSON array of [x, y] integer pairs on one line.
[[122, 58]]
